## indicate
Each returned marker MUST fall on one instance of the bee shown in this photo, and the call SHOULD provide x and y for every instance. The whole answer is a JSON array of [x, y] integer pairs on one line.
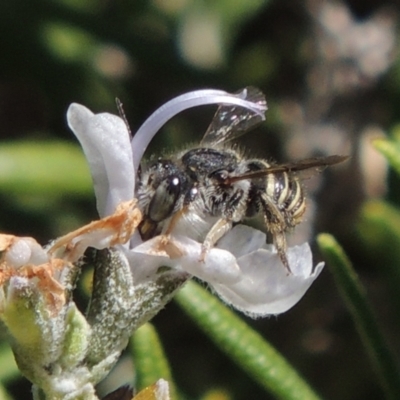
[[203, 191]]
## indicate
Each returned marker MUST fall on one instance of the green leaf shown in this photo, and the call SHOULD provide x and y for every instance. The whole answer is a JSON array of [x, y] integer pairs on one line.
[[353, 293], [76, 339], [378, 226], [241, 343], [216, 394], [150, 361], [52, 168], [67, 42], [391, 150]]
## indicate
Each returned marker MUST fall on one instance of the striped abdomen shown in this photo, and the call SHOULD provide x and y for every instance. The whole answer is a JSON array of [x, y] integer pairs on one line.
[[285, 190]]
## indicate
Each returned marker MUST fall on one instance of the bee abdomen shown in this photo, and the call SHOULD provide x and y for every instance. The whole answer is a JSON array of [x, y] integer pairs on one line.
[[296, 202], [287, 193]]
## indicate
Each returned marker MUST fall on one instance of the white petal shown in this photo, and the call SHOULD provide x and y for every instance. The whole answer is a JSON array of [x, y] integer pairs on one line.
[[266, 288], [106, 143], [18, 254], [25, 251], [242, 240], [173, 107], [219, 265]]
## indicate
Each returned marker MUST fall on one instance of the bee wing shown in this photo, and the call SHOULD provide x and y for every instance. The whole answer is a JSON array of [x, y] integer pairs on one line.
[[230, 122], [316, 164]]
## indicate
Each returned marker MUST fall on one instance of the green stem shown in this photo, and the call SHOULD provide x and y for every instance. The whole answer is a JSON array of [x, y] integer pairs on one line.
[[354, 296], [150, 361], [241, 343]]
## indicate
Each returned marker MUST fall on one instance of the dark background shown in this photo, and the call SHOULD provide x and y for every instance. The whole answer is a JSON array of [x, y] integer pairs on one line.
[[331, 76]]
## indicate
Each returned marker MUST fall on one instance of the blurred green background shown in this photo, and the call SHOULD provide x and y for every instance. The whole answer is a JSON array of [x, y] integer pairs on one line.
[[331, 76]]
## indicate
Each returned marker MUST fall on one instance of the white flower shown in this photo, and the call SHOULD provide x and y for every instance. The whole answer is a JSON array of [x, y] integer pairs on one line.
[[244, 271]]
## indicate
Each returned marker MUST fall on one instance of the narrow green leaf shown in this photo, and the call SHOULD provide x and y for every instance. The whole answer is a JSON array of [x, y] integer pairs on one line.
[[391, 150], [150, 361], [241, 343], [3, 394], [378, 227], [354, 296], [46, 167], [216, 394], [8, 367]]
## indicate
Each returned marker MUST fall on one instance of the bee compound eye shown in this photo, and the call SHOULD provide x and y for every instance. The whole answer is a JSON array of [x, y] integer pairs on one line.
[[165, 197]]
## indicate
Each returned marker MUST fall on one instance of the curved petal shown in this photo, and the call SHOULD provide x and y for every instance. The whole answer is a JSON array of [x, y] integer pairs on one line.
[[184, 254], [266, 288], [106, 143], [173, 107]]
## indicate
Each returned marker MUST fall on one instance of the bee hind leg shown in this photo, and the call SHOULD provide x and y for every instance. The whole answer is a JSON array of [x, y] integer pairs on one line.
[[279, 240], [275, 222], [218, 230]]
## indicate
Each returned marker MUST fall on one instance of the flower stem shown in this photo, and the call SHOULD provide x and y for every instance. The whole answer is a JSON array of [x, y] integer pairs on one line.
[[245, 346], [354, 296]]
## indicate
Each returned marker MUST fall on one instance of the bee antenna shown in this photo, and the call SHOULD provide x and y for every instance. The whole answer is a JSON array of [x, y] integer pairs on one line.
[[122, 114]]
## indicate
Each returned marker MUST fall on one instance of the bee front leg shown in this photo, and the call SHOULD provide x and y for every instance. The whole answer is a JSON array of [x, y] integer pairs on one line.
[[218, 230], [166, 234]]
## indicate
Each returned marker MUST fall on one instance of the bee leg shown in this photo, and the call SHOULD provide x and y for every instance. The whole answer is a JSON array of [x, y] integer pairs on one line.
[[218, 230], [279, 239], [147, 229], [276, 224], [165, 237]]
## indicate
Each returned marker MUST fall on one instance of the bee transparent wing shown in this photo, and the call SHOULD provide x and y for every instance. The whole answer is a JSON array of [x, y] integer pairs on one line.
[[230, 122], [310, 164]]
